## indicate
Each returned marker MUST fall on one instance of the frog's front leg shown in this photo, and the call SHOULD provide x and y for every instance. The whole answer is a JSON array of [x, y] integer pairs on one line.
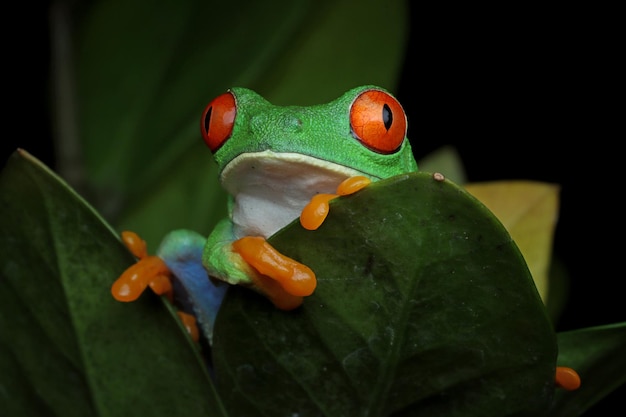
[[251, 261]]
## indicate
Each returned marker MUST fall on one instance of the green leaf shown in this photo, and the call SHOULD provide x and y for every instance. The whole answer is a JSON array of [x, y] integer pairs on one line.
[[66, 347], [424, 307], [597, 355]]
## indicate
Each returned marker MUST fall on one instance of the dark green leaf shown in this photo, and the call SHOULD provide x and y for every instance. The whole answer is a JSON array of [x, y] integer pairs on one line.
[[424, 307], [598, 356], [66, 347]]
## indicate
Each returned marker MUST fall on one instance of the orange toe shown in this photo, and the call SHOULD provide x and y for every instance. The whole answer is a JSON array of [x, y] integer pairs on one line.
[[135, 244], [353, 184], [190, 324], [277, 294], [567, 378], [147, 271], [314, 213], [162, 285]]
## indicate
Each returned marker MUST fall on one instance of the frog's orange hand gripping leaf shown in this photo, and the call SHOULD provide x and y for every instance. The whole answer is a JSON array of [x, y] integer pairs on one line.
[[252, 262], [314, 213], [178, 265], [149, 271]]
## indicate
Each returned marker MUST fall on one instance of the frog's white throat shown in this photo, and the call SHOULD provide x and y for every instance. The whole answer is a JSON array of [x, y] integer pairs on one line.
[[271, 189]]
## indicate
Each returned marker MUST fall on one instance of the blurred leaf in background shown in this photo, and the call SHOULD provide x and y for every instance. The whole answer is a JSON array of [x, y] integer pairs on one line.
[[144, 72], [529, 211]]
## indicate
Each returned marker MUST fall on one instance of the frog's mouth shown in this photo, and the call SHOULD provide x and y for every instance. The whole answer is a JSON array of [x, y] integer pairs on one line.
[[271, 189]]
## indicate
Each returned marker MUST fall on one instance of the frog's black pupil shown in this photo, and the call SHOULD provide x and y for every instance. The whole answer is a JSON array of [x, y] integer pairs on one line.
[[387, 116], [207, 120]]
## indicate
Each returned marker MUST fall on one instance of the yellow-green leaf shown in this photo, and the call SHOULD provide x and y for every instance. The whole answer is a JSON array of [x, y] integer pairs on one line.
[[529, 211]]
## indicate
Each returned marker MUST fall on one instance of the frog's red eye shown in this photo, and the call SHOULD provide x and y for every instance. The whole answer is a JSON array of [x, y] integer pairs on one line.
[[217, 120], [378, 121]]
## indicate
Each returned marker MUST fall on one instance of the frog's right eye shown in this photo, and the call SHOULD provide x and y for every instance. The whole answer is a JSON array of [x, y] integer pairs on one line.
[[378, 121], [217, 120]]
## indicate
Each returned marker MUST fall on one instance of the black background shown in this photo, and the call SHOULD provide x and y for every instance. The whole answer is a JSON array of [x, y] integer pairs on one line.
[[521, 93]]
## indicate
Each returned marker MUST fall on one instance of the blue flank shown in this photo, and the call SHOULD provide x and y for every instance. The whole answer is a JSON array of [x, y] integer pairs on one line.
[[182, 252]]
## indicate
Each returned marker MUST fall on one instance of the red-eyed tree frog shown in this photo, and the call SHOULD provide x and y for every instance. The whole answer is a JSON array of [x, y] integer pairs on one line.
[[281, 163], [277, 164]]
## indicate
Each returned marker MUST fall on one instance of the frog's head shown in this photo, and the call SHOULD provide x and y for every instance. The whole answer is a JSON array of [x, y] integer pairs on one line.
[[288, 154], [363, 130]]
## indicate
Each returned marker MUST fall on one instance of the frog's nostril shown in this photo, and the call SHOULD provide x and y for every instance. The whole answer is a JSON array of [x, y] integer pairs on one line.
[[286, 123], [291, 123]]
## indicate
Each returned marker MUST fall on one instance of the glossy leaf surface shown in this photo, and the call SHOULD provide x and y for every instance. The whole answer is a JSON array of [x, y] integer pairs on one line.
[[67, 348], [424, 306]]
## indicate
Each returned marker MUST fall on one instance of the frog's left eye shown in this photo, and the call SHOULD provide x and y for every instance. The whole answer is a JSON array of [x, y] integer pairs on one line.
[[218, 120], [378, 121]]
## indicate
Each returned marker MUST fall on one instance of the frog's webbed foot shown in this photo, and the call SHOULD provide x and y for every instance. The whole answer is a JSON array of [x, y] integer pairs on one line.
[[149, 271], [567, 378], [281, 279], [314, 213]]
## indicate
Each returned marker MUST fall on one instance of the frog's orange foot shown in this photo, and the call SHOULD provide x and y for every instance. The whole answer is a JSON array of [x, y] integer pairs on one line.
[[190, 324], [149, 271], [567, 378], [314, 213], [283, 280]]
